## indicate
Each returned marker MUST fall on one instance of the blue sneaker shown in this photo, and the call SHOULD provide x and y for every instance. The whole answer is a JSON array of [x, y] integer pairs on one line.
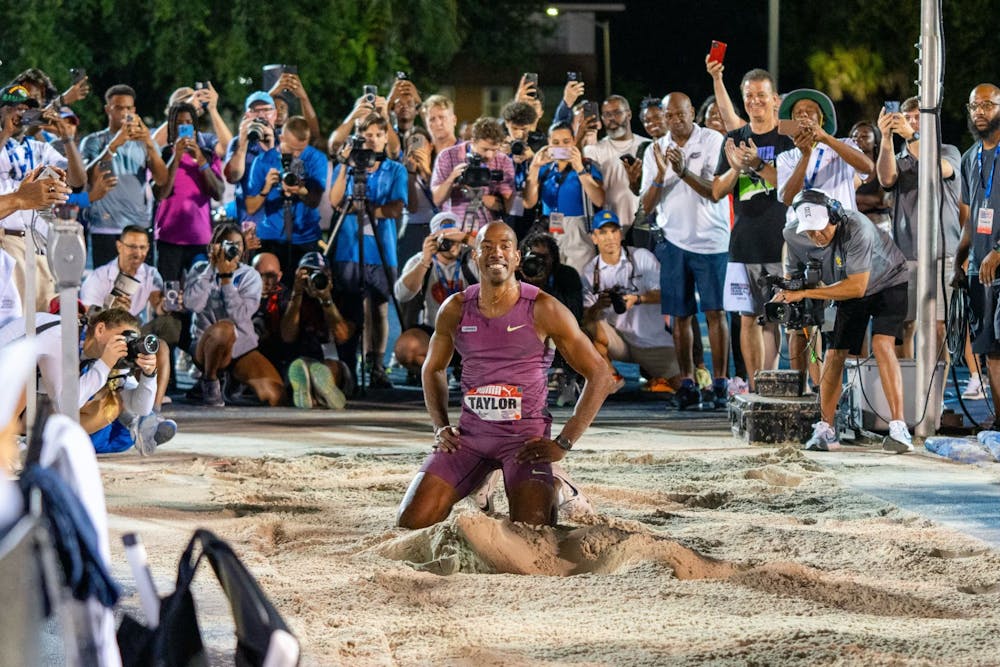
[[720, 386], [688, 395]]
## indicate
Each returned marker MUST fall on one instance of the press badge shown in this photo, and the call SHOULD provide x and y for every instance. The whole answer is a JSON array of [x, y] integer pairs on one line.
[[556, 223], [495, 402], [984, 224]]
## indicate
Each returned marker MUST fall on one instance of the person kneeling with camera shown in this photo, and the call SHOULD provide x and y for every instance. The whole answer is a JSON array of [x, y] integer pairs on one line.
[[118, 381], [310, 327], [223, 294], [442, 268], [621, 298], [865, 273]]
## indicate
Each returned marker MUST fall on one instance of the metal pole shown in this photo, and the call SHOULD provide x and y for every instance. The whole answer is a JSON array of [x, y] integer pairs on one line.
[[605, 27], [773, 27], [928, 215], [30, 292]]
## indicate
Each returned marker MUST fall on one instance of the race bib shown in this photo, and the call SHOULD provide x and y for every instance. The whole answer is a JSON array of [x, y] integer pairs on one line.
[[556, 223], [984, 224], [495, 402]]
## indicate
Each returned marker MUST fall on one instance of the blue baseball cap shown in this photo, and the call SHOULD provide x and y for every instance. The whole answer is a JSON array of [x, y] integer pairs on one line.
[[258, 97], [606, 217]]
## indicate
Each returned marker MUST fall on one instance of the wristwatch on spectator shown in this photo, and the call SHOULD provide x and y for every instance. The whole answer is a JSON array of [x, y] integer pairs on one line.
[[915, 137], [760, 166]]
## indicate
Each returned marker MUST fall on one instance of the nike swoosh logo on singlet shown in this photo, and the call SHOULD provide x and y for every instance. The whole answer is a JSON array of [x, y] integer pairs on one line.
[[510, 328]]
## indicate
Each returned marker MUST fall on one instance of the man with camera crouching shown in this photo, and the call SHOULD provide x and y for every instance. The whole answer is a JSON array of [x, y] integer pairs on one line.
[[311, 326], [223, 294], [128, 282], [474, 179], [371, 263], [287, 183], [865, 273], [443, 267], [119, 382], [621, 298]]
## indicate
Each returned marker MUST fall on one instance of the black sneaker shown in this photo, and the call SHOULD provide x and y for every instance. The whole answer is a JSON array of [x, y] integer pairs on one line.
[[688, 395], [379, 379]]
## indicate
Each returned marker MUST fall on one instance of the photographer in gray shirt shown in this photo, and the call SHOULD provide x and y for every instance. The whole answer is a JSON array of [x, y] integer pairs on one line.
[[121, 153], [865, 274]]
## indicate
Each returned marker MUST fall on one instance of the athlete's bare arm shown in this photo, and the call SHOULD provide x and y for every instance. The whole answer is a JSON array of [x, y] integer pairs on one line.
[[435, 371], [553, 320]]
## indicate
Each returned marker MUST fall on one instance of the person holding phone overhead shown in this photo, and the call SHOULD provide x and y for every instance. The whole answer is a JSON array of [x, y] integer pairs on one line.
[[560, 176], [183, 223]]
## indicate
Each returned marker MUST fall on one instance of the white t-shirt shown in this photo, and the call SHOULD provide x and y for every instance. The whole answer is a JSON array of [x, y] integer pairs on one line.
[[10, 299], [826, 171], [618, 196], [16, 161], [443, 281], [688, 220], [98, 285], [638, 272]]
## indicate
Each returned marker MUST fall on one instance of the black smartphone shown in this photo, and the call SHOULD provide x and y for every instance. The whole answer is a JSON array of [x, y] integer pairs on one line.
[[591, 110], [892, 106], [401, 76], [32, 118], [77, 74], [574, 76], [289, 69], [628, 159]]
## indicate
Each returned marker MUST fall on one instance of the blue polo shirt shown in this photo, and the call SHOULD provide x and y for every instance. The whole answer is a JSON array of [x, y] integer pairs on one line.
[[561, 191], [386, 184], [306, 220]]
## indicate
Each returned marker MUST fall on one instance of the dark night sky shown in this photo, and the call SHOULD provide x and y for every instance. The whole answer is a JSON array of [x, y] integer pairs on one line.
[[660, 47]]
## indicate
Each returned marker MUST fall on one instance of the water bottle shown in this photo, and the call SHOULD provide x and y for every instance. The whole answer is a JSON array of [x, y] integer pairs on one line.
[[991, 441], [958, 449]]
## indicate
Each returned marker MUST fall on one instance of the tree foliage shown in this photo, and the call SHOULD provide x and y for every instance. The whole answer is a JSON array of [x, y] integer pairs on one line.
[[338, 45]]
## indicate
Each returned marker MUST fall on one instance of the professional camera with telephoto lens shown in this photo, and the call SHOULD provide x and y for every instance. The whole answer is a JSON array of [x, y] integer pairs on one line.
[[257, 130], [230, 250], [478, 175], [801, 314], [291, 170], [318, 279], [361, 157], [137, 344], [617, 296], [533, 266]]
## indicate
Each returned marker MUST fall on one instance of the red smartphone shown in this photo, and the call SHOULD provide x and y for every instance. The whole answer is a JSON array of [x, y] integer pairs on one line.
[[717, 52]]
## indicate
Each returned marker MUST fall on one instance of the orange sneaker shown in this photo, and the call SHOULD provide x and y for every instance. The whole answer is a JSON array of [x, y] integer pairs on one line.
[[659, 385]]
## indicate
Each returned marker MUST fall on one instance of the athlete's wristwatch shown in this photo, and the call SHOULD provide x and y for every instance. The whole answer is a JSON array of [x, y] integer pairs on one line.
[[563, 442]]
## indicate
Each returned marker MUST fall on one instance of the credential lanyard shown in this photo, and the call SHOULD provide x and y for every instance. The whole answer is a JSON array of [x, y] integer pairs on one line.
[[812, 179], [988, 186]]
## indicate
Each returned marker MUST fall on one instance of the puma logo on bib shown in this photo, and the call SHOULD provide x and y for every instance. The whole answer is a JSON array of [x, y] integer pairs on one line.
[[495, 402]]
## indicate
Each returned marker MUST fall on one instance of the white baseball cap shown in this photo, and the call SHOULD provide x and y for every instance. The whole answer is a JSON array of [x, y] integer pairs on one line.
[[811, 217]]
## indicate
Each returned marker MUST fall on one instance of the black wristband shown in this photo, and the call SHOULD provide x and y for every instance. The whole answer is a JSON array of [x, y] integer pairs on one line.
[[225, 275], [150, 375]]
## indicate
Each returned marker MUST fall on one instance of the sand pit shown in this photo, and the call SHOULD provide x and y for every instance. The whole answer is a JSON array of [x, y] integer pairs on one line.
[[695, 557]]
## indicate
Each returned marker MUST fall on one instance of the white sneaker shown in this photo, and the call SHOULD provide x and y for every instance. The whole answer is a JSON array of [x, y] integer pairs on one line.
[[823, 439], [569, 499], [482, 497], [898, 441], [974, 388], [737, 385]]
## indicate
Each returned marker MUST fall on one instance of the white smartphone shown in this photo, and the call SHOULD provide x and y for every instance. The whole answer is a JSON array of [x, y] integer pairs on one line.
[[561, 152]]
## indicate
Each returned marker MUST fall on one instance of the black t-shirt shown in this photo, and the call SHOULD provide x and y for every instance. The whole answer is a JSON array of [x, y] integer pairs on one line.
[[760, 216]]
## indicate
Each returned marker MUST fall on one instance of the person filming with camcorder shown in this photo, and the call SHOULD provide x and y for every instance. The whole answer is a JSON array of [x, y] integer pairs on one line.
[[863, 271], [475, 179], [367, 186]]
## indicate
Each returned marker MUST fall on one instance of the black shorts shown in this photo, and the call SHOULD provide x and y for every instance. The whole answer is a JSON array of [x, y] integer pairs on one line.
[[378, 280], [886, 310], [982, 317]]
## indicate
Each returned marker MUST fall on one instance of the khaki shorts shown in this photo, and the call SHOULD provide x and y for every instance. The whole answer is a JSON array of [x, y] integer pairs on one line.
[[943, 296], [655, 362], [45, 287]]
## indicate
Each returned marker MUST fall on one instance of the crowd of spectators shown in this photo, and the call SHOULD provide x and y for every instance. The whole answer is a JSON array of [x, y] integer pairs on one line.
[[258, 295]]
